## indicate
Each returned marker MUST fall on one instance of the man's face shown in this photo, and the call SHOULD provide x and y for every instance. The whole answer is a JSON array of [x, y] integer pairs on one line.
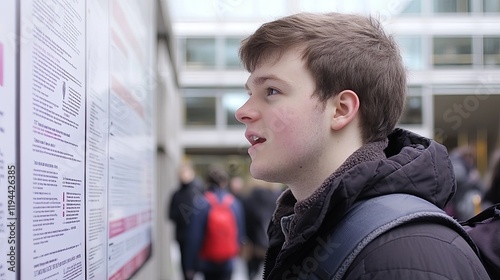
[[286, 126]]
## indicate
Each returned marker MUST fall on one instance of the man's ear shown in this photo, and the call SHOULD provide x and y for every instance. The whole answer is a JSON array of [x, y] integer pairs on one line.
[[345, 107]]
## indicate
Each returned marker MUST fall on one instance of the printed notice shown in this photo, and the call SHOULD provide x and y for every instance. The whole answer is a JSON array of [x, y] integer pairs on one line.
[[52, 139], [97, 138], [131, 157], [9, 222]]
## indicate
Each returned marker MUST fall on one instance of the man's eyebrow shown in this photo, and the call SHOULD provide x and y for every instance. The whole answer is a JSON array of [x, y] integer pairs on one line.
[[263, 79]]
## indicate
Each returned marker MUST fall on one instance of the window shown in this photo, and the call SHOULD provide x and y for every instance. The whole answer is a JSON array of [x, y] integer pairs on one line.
[[411, 51], [452, 51], [200, 53], [212, 53], [491, 46], [232, 59], [413, 110], [232, 102], [452, 6], [491, 6], [412, 7], [200, 111], [213, 107]]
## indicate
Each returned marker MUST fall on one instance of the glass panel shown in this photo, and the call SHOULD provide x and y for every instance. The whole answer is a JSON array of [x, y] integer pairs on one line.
[[232, 60], [452, 6], [412, 7], [232, 102], [491, 50], [491, 6], [411, 51], [452, 51], [200, 111], [413, 110], [200, 53]]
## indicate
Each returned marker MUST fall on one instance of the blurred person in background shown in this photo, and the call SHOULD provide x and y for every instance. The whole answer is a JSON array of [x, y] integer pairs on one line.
[[237, 186], [466, 201], [492, 195], [217, 183], [259, 207], [182, 206]]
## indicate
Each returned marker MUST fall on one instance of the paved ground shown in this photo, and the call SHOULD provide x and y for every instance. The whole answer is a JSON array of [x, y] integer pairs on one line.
[[240, 271]]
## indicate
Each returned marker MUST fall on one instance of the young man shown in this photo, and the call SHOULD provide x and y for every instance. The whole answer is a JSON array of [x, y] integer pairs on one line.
[[325, 93]]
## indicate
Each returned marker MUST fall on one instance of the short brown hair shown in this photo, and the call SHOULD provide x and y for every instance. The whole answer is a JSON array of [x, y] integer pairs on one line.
[[342, 51], [217, 175]]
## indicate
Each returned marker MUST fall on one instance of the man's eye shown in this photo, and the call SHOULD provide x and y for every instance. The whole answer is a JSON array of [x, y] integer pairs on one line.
[[272, 91]]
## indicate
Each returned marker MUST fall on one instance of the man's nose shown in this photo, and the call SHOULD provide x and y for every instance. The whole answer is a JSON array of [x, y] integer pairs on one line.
[[246, 113]]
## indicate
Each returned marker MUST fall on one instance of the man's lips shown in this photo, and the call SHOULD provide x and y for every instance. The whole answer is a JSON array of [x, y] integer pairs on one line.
[[255, 139]]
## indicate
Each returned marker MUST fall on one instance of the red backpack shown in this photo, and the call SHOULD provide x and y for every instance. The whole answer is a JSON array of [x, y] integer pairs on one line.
[[221, 235]]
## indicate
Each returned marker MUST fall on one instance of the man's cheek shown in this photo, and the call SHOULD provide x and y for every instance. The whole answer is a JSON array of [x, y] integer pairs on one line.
[[283, 119]]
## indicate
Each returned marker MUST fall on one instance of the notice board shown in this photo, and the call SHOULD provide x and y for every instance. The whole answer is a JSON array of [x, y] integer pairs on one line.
[[77, 138]]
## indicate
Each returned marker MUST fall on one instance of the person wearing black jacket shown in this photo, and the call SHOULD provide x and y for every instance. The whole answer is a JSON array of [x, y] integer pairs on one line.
[[325, 94], [259, 206], [470, 186], [492, 195], [183, 206]]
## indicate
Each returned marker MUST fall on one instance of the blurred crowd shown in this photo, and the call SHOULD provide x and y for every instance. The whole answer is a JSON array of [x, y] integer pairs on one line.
[[475, 191], [254, 204]]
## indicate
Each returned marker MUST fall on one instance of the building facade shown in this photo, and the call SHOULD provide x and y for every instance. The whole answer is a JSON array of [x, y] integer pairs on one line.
[[450, 47]]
